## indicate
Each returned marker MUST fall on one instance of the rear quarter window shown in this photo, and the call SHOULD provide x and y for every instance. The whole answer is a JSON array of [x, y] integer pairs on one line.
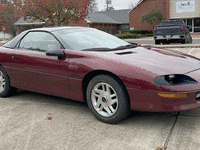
[[12, 43]]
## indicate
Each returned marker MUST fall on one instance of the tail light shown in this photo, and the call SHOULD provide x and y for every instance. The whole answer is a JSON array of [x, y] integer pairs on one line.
[[182, 28], [154, 30]]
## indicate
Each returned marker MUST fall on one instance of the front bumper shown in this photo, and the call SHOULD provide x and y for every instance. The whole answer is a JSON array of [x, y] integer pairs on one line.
[[145, 100], [149, 100]]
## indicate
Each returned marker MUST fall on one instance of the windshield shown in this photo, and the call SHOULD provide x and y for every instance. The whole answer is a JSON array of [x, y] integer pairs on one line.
[[87, 38]]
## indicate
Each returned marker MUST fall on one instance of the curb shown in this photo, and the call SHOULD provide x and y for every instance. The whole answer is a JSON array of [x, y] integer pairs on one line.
[[174, 46], [151, 38], [3, 42]]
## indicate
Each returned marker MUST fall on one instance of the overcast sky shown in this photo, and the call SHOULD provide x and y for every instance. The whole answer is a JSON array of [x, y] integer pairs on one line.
[[117, 4]]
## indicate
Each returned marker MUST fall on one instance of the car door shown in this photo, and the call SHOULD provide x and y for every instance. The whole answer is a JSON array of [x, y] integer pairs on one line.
[[34, 70]]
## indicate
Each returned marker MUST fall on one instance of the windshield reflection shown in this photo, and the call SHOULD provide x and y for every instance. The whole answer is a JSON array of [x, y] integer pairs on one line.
[[88, 38]]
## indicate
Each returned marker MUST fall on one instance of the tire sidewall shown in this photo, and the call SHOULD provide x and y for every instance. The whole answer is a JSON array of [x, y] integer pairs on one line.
[[157, 42], [123, 100], [190, 39], [7, 83]]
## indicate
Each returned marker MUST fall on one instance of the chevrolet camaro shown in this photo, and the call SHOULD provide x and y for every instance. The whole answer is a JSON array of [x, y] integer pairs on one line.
[[111, 75]]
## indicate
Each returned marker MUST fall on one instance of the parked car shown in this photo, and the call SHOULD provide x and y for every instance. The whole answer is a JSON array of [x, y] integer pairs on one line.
[[172, 31], [113, 76]]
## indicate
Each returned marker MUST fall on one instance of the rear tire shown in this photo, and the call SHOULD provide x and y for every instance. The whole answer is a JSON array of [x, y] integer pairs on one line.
[[190, 41], [5, 88], [157, 42], [107, 99], [183, 41]]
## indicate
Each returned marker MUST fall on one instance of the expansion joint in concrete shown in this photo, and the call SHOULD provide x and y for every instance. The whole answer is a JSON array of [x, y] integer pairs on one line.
[[170, 132]]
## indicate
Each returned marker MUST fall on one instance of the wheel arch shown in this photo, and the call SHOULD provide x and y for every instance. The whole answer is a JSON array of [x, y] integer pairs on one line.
[[8, 90], [5, 70], [88, 77]]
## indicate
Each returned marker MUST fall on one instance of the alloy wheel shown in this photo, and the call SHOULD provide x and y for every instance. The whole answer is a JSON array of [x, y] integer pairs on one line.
[[2, 82], [104, 99]]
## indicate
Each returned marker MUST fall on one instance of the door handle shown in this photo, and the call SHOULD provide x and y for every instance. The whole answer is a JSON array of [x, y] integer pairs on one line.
[[15, 57]]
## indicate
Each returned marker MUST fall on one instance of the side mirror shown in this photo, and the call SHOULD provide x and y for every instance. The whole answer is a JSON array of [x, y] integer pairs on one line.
[[58, 53]]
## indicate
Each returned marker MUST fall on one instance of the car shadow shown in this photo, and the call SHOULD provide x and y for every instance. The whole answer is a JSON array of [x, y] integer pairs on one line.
[[32, 97], [29, 96]]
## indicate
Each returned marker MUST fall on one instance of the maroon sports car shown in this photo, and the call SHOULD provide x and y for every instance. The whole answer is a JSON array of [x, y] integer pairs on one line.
[[113, 76]]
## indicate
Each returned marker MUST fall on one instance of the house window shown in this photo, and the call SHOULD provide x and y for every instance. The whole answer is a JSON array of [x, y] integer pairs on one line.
[[194, 24], [189, 23], [197, 25]]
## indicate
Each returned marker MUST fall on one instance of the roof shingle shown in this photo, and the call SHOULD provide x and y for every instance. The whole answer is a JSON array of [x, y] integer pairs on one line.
[[112, 16], [27, 21]]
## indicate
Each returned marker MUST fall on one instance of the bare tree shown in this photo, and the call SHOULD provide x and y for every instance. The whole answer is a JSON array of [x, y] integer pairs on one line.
[[10, 13], [93, 6], [109, 8]]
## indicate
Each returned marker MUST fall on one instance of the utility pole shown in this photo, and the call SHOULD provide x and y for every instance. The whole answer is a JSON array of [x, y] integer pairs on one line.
[[107, 5], [108, 2]]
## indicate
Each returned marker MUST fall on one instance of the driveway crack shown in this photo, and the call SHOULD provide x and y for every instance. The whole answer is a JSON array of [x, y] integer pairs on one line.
[[170, 132]]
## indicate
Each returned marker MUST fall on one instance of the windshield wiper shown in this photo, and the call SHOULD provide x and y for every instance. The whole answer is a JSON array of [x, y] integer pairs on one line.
[[97, 49], [125, 47], [104, 49]]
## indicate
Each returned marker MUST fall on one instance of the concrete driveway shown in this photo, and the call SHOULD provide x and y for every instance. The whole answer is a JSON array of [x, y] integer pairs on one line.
[[31, 121]]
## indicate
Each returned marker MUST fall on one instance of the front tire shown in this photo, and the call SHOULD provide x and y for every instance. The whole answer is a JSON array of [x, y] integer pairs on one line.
[[107, 99], [5, 88]]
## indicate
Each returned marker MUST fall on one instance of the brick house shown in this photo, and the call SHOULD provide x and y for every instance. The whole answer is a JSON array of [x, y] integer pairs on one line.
[[187, 10], [143, 7], [28, 23], [114, 21]]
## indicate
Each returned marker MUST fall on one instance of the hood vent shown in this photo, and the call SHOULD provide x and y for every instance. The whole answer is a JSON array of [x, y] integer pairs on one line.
[[124, 53]]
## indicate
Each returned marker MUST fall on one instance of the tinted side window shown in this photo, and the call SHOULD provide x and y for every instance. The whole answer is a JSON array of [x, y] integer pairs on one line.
[[39, 41]]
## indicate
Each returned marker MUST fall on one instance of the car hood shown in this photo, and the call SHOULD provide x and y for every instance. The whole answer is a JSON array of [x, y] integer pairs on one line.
[[156, 61]]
